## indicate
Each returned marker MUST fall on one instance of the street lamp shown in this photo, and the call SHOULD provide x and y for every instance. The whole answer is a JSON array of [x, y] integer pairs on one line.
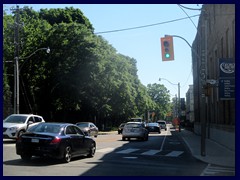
[[178, 84], [16, 78]]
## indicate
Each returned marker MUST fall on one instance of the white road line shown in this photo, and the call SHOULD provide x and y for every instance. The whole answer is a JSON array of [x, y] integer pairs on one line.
[[212, 170], [163, 143], [151, 152], [174, 153], [126, 151], [104, 150]]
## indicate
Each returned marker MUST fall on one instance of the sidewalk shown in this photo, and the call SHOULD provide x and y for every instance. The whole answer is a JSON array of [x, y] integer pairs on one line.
[[215, 153]]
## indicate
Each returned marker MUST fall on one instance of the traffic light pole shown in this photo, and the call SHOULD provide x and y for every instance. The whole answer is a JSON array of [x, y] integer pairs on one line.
[[204, 98]]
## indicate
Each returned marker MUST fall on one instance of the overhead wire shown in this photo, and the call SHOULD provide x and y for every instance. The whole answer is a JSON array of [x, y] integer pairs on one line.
[[145, 26]]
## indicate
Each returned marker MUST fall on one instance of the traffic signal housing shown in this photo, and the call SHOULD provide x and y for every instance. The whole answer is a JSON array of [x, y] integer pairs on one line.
[[167, 48]]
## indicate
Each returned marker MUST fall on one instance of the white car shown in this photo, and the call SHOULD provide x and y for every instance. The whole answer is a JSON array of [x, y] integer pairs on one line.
[[16, 124], [135, 130]]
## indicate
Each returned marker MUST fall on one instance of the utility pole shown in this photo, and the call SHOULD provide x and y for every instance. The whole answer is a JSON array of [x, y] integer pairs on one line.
[[16, 58], [179, 107], [204, 83]]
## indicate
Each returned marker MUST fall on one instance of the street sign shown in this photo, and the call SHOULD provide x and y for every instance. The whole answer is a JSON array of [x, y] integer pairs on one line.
[[227, 89], [226, 83]]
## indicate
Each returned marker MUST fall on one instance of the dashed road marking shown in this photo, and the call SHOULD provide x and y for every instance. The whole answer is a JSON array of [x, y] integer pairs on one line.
[[105, 150], [150, 152], [174, 153], [214, 170], [126, 151]]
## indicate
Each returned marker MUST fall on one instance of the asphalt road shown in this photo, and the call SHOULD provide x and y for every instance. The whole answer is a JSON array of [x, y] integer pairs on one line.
[[163, 154]]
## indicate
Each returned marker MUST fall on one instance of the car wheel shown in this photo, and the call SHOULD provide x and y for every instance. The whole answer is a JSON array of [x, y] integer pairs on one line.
[[26, 157], [67, 154], [92, 150], [123, 138]]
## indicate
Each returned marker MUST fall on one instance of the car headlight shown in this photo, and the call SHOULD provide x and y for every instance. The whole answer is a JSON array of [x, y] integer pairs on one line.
[[13, 128]]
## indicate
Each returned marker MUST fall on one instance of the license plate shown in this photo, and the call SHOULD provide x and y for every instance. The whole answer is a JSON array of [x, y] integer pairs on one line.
[[35, 140]]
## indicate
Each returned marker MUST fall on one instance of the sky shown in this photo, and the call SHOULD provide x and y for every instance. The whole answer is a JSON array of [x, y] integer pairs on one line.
[[143, 44]]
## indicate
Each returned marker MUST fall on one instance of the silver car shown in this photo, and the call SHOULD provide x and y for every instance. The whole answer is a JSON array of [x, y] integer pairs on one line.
[[16, 124], [135, 130], [162, 124], [88, 128]]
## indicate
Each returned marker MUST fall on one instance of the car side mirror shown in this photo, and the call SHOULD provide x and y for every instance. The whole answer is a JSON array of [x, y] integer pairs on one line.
[[30, 122]]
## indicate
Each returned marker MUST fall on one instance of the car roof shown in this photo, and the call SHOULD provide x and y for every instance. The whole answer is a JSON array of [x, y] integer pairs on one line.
[[26, 115], [161, 121], [58, 123], [133, 122], [84, 122]]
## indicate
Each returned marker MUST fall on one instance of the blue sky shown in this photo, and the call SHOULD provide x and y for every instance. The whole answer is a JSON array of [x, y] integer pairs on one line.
[[143, 44]]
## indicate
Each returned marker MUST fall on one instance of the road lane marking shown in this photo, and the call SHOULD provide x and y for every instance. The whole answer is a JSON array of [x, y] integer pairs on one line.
[[212, 170], [126, 151], [104, 150], [151, 152], [174, 153]]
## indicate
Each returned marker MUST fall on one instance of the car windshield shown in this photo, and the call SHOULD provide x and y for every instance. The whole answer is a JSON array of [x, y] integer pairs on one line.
[[133, 125], [50, 128], [152, 124], [82, 124], [162, 123], [16, 119]]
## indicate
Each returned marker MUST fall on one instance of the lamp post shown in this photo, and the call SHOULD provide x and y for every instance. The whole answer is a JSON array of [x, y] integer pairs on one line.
[[178, 84], [16, 77]]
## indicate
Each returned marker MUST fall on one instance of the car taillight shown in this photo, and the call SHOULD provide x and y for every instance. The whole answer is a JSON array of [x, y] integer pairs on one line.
[[19, 139], [56, 140]]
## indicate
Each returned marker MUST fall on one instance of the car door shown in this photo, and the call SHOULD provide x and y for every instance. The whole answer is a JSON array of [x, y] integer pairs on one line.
[[76, 139], [93, 129]]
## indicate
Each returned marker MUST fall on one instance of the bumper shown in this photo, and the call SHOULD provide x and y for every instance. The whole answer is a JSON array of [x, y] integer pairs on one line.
[[9, 135], [50, 151]]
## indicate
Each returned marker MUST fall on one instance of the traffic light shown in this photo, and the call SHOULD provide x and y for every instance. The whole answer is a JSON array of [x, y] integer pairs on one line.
[[167, 48]]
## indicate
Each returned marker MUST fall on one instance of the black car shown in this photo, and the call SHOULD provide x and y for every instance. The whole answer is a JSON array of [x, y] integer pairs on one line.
[[57, 140], [153, 127]]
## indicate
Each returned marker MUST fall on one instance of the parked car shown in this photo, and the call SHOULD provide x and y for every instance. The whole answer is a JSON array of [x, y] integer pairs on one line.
[[16, 124], [57, 140], [135, 130], [153, 127], [120, 128], [88, 128], [163, 124]]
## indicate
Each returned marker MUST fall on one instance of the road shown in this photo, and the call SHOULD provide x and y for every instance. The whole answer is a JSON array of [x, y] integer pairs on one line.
[[163, 154]]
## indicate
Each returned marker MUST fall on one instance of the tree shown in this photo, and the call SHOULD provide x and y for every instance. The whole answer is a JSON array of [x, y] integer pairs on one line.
[[160, 95], [83, 77]]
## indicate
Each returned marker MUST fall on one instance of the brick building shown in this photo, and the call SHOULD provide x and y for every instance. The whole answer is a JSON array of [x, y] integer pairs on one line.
[[212, 112]]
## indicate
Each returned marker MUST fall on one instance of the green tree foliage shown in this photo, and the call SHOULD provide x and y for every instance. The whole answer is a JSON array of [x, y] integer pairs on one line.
[[160, 95], [83, 78]]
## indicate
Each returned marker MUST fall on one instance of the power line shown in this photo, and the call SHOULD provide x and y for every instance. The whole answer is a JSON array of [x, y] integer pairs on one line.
[[139, 27], [187, 14]]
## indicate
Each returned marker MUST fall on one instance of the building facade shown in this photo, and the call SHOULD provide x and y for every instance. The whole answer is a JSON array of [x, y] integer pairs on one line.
[[215, 40], [190, 106]]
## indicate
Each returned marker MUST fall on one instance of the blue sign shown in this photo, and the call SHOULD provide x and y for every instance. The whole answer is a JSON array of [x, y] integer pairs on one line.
[[226, 83], [226, 68], [227, 89]]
